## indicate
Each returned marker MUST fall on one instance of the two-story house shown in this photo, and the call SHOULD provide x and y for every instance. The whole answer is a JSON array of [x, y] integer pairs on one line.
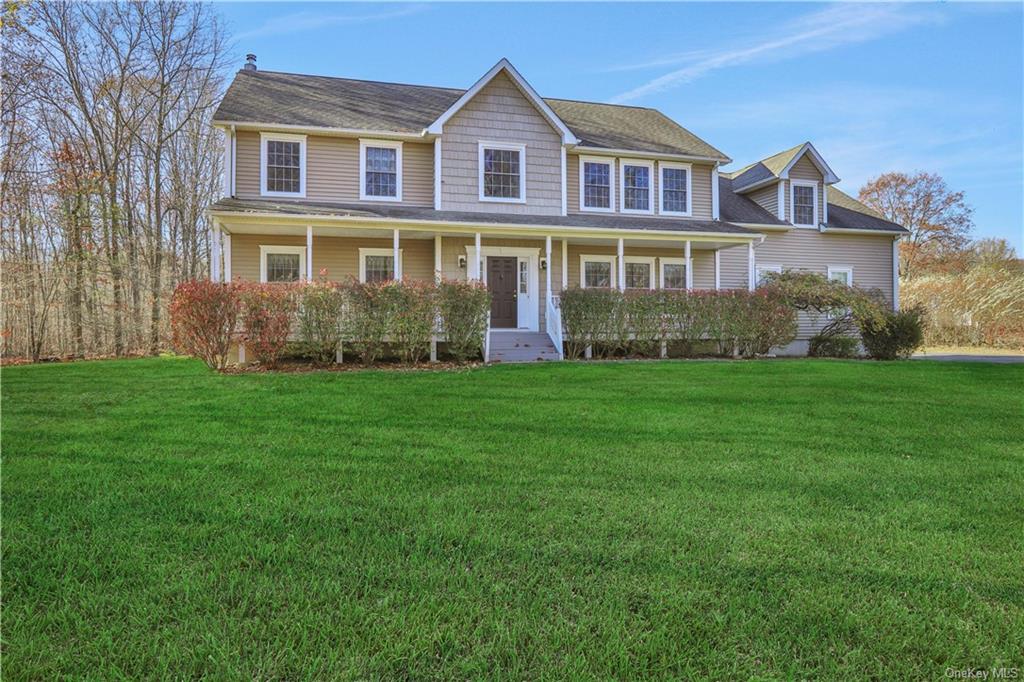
[[337, 177]]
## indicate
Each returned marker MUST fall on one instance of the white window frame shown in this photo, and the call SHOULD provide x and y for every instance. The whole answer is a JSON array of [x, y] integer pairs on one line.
[[267, 249], [661, 271], [363, 253], [513, 146], [611, 184], [386, 144], [792, 202], [643, 259], [282, 137], [848, 269], [622, 185], [597, 258], [765, 267], [662, 166]]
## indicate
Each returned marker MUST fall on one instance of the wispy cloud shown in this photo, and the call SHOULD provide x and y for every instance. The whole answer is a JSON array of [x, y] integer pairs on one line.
[[297, 22], [816, 32]]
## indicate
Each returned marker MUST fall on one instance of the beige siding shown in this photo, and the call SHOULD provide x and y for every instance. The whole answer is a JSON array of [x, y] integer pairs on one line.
[[700, 185], [501, 113], [767, 198], [332, 169]]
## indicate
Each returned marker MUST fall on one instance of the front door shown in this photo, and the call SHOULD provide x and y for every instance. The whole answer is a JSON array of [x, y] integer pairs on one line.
[[501, 282]]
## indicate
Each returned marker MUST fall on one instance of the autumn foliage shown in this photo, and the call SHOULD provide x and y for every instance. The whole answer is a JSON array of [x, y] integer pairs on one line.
[[204, 315]]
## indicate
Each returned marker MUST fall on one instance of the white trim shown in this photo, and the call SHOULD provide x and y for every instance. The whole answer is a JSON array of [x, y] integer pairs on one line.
[[718, 269], [665, 260], [565, 263], [766, 267], [437, 173], [824, 206], [649, 260], [437, 126], [856, 230], [266, 249], [547, 270], [282, 137], [513, 146], [226, 250], [662, 166], [781, 211], [833, 269], [265, 126], [438, 264], [309, 253], [896, 274], [366, 143], [226, 184], [396, 255], [751, 282], [608, 161], [528, 314], [215, 235], [715, 204], [396, 268], [565, 190], [689, 266], [597, 258], [830, 177], [622, 271], [622, 186], [234, 161], [813, 184], [602, 151]]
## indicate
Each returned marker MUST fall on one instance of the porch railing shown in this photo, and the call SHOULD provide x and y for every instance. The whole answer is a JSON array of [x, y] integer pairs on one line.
[[554, 324]]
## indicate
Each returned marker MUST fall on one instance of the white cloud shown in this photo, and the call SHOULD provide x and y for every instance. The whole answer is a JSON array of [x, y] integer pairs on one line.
[[304, 21], [827, 29]]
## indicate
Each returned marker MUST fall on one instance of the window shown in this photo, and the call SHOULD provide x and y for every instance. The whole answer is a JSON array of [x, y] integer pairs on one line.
[[282, 165], [763, 270], [675, 188], [377, 265], [636, 187], [805, 203], [502, 172], [842, 274], [380, 167], [673, 273], [524, 277], [639, 272], [597, 272], [282, 263], [597, 177]]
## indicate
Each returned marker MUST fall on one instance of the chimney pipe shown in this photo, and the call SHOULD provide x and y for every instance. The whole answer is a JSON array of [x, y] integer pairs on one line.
[[250, 62]]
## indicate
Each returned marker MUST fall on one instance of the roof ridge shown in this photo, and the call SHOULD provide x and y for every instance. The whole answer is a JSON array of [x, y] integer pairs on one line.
[[358, 80]]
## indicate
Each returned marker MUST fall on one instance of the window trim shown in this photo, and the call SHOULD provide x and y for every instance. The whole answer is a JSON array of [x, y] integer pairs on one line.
[[610, 162], [267, 249], [513, 146], [622, 186], [663, 261], [364, 144], [688, 167], [792, 203], [649, 260], [765, 267], [848, 269], [364, 252], [597, 258], [282, 137]]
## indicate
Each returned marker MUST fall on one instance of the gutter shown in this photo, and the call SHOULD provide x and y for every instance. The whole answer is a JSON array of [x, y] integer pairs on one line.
[[322, 130], [858, 230], [636, 153]]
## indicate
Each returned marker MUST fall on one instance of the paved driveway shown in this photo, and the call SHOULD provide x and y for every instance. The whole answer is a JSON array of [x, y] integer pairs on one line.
[[1000, 359]]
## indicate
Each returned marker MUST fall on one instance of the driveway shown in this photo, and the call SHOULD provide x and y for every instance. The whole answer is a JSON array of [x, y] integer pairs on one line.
[[958, 357]]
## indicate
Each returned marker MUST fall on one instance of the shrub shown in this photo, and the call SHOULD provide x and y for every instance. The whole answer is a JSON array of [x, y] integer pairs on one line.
[[595, 318], [320, 311], [835, 346], [370, 308], [267, 314], [901, 333], [203, 319], [413, 319], [463, 308]]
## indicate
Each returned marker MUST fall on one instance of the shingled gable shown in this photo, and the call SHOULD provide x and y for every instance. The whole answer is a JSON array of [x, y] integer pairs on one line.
[[504, 66]]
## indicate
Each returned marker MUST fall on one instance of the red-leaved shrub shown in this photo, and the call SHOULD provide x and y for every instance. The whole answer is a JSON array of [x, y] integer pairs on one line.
[[203, 319], [267, 314]]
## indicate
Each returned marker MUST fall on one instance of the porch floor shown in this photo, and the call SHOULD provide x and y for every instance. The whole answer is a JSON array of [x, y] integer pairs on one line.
[[518, 346]]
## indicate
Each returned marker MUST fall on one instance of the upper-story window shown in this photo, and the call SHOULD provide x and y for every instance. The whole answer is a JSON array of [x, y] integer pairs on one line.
[[380, 170], [282, 165], [597, 178], [675, 188], [636, 187], [502, 172], [804, 202]]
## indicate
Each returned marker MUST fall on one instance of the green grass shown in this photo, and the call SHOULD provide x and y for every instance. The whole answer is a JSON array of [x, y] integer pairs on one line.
[[791, 519]]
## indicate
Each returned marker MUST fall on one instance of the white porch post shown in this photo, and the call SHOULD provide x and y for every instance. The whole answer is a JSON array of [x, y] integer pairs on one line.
[[438, 272], [718, 269], [397, 255], [689, 267], [215, 252], [714, 193], [227, 256], [547, 270], [750, 266], [565, 264], [474, 268], [622, 266], [309, 253]]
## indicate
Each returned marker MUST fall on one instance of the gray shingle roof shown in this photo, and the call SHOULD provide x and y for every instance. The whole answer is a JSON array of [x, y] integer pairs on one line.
[[738, 208], [321, 101], [845, 212]]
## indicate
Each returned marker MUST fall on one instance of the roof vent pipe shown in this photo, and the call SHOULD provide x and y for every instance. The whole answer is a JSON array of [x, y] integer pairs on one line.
[[250, 62]]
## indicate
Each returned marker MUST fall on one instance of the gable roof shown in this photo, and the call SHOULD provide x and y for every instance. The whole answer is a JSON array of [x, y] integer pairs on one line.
[[345, 104], [846, 213], [777, 166], [739, 208]]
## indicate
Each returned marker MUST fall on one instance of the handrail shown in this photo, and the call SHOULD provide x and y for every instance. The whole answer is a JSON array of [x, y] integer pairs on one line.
[[554, 325]]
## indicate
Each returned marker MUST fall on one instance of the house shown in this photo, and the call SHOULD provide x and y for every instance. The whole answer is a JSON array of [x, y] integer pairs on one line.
[[528, 194]]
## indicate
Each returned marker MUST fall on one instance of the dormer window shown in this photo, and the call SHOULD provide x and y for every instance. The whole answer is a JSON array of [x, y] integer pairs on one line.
[[636, 187], [502, 172], [380, 170], [282, 165], [597, 178], [804, 206]]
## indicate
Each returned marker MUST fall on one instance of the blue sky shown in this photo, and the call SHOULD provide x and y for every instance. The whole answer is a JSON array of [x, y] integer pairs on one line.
[[876, 87]]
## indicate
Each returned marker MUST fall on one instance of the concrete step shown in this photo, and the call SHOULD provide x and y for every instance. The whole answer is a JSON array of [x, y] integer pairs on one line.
[[522, 347]]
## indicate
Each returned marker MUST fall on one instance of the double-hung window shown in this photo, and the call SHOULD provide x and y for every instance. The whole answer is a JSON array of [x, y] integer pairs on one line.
[[804, 207], [282, 263], [502, 172], [675, 188], [597, 180], [673, 273], [637, 177], [763, 270], [377, 265], [380, 170], [639, 272], [597, 272], [844, 275], [282, 165]]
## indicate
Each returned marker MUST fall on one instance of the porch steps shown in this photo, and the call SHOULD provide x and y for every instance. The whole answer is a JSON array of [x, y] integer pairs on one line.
[[514, 346]]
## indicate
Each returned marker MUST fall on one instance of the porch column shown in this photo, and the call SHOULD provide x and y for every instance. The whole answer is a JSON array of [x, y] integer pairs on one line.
[[437, 258], [750, 266], [547, 270], [689, 267], [227, 256], [309, 253], [474, 268], [396, 254], [718, 269], [565, 264], [621, 266], [215, 252]]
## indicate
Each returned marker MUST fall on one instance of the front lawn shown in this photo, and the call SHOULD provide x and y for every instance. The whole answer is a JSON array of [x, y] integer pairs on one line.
[[790, 519]]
